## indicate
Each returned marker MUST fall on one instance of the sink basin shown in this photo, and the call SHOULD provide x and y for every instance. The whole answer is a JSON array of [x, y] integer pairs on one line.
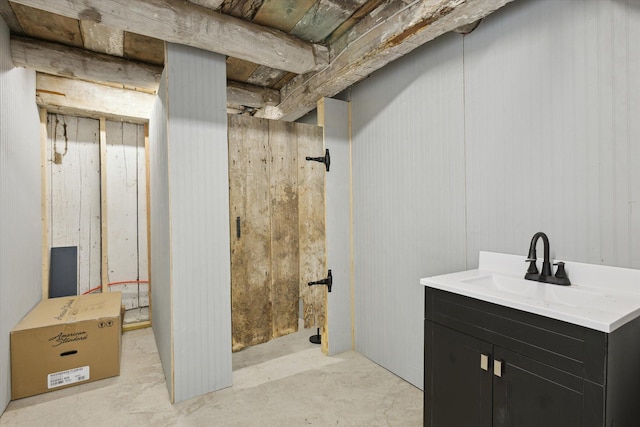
[[567, 295], [601, 297]]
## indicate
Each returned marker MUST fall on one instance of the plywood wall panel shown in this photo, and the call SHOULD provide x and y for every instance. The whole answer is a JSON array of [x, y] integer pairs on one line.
[[284, 227], [250, 201]]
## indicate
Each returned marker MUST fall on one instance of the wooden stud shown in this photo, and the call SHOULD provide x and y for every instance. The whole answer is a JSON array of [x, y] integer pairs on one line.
[[148, 197], [352, 270], [44, 204], [134, 326], [104, 268]]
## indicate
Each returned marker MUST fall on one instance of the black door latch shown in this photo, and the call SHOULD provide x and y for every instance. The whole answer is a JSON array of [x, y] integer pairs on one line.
[[326, 159], [328, 281]]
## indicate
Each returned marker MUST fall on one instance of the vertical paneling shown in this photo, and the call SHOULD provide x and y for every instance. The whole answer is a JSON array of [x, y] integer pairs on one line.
[[162, 310], [311, 214], [250, 201], [199, 220], [551, 133], [73, 161], [408, 198], [283, 179], [335, 116], [143, 247], [631, 19], [551, 142], [20, 200], [126, 203]]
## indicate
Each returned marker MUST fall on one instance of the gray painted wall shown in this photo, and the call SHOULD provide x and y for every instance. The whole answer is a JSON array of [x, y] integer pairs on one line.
[[160, 232], [552, 101], [20, 224], [338, 224], [191, 278], [474, 143], [408, 198]]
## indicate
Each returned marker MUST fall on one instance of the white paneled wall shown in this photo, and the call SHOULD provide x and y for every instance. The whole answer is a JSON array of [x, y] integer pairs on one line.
[[20, 220], [530, 123], [335, 118], [553, 144], [408, 198], [160, 232], [190, 188]]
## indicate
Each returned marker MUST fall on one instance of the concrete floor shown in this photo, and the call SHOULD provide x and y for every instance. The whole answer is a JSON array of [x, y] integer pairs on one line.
[[286, 382]]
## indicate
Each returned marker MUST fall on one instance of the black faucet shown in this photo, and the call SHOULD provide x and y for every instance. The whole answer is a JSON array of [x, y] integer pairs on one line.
[[546, 276]]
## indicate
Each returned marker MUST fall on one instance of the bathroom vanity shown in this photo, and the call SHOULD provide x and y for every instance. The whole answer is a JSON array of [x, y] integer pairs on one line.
[[504, 351]]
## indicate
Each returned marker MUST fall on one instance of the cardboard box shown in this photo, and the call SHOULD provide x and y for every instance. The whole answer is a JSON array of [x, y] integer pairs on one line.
[[66, 341]]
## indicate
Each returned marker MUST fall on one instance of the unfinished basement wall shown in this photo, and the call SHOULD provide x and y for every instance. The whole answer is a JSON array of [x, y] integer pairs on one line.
[[190, 223], [20, 225], [96, 199], [530, 123]]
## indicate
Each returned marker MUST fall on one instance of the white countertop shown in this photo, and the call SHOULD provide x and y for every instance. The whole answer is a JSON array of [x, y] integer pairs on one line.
[[600, 297]]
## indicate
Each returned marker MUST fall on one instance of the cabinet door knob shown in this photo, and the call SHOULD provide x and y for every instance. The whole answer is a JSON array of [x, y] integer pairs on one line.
[[484, 362], [497, 368]]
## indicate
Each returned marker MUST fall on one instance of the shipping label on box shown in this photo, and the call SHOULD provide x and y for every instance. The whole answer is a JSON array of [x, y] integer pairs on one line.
[[66, 341]]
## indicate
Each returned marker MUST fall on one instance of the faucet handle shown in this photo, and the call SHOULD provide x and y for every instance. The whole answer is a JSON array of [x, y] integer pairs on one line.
[[560, 272], [533, 269]]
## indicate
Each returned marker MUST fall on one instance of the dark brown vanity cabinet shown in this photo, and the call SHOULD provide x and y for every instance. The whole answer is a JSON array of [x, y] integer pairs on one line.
[[491, 366]]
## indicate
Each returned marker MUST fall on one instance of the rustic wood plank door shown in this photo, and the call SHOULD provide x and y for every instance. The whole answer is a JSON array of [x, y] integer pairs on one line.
[[277, 228]]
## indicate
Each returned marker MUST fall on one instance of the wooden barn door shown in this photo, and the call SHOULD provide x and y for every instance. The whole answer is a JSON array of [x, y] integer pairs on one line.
[[277, 228]]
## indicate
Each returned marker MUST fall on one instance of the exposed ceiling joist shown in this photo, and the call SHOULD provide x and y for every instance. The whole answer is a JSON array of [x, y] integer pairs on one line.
[[65, 61], [186, 23], [388, 33], [244, 95], [77, 97], [211, 4]]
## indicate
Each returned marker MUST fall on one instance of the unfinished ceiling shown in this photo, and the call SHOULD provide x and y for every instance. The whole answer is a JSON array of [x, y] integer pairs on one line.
[[282, 55]]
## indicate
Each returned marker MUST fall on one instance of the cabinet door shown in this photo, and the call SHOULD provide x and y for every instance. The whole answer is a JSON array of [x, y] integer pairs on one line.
[[532, 394], [457, 388]]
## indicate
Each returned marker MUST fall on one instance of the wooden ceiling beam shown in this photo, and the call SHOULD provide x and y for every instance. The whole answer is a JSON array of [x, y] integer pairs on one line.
[[65, 61], [81, 98], [186, 23], [395, 29]]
